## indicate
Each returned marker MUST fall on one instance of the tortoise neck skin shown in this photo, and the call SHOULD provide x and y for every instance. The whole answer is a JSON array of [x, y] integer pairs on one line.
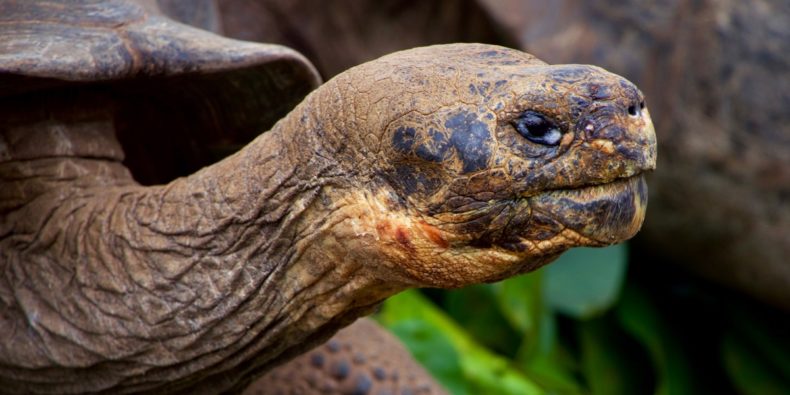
[[406, 171], [200, 274]]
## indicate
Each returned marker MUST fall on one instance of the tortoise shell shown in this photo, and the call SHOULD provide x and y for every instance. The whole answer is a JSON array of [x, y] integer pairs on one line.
[[180, 97]]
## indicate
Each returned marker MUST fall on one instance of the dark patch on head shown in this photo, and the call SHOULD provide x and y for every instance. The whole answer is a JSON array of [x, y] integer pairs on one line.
[[514, 245], [496, 220], [632, 153], [411, 180], [625, 85], [579, 101], [483, 90], [541, 226], [481, 223], [403, 139], [598, 92], [578, 106], [459, 204], [394, 202], [569, 74], [489, 182], [621, 211], [500, 83], [614, 133], [470, 137], [472, 89], [482, 242], [435, 149], [641, 190], [631, 92], [488, 54], [362, 385]]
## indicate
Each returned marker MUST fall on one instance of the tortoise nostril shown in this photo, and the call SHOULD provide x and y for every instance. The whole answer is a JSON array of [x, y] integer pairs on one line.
[[641, 105]]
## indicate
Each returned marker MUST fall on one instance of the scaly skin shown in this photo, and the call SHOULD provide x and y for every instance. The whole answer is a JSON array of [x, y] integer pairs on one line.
[[402, 172]]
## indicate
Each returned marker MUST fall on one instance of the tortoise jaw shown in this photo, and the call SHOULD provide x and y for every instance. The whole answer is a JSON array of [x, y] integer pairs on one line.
[[600, 214], [554, 220]]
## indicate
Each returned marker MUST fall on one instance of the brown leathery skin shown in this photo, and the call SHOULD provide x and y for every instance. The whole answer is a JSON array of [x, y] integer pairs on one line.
[[362, 358], [199, 284]]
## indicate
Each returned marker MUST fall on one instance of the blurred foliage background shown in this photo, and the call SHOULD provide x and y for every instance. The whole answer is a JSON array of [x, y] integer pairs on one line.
[[597, 321]]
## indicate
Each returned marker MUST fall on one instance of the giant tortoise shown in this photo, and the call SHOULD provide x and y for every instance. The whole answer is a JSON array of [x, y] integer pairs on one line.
[[439, 166], [716, 73]]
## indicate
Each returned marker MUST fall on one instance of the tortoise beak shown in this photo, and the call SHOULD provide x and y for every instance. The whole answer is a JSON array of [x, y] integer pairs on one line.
[[639, 144], [609, 212], [604, 213], [650, 139]]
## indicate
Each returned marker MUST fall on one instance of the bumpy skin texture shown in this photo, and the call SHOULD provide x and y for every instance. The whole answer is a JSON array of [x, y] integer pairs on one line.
[[362, 358], [405, 171], [716, 74]]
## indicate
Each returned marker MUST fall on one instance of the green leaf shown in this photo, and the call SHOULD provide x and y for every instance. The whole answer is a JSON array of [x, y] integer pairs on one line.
[[520, 301], [475, 309], [641, 319], [542, 357], [585, 282], [432, 349], [751, 373], [609, 363], [481, 370], [552, 375]]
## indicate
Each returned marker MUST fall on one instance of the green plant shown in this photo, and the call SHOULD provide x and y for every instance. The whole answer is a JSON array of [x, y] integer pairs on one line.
[[578, 326]]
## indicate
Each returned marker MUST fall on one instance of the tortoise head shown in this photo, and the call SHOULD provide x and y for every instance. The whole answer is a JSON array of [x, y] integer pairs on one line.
[[488, 162]]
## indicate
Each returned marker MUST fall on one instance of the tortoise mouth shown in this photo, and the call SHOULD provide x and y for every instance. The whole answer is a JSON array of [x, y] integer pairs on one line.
[[604, 214], [555, 220]]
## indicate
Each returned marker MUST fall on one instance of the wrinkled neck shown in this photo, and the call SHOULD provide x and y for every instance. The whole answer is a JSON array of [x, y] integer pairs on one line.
[[224, 271], [264, 236]]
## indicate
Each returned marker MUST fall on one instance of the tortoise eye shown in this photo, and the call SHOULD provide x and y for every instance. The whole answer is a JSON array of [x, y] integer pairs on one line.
[[537, 128]]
